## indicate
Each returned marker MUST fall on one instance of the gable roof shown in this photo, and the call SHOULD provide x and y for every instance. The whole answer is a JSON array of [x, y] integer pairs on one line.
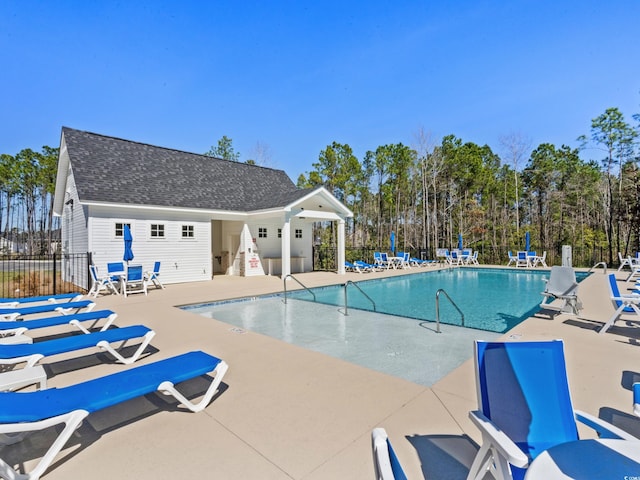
[[114, 170]]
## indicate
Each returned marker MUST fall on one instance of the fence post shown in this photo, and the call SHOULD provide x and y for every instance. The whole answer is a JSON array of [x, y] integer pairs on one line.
[[89, 262], [54, 273]]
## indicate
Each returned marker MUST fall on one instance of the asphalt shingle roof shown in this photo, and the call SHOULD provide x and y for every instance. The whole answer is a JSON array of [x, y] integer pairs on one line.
[[108, 169]]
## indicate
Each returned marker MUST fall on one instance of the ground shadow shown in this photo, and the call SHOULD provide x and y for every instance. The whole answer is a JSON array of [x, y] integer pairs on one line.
[[628, 423], [35, 445], [629, 378], [444, 457]]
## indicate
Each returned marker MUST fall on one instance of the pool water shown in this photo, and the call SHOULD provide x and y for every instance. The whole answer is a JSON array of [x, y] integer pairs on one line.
[[408, 346], [399, 346], [495, 300]]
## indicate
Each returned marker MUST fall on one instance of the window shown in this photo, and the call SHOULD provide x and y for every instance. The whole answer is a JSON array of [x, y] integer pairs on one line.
[[187, 231], [262, 232], [298, 233], [157, 230], [279, 233], [119, 231]]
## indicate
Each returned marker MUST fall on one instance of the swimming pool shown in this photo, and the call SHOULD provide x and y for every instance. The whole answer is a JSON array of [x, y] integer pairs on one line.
[[398, 346], [491, 299], [404, 346]]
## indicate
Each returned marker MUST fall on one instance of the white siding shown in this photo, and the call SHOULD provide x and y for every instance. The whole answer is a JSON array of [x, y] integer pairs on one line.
[[182, 259], [271, 246], [74, 235]]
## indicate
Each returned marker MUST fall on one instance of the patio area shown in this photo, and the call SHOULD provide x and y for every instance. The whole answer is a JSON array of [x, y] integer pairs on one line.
[[288, 413]]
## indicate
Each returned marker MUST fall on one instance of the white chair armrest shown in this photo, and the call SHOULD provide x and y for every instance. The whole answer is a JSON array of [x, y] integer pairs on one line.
[[604, 429], [500, 441]]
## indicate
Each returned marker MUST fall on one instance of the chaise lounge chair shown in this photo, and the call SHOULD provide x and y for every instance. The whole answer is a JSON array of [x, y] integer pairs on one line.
[[31, 353], [628, 303], [12, 313], [385, 461], [364, 267], [37, 410], [512, 258], [524, 406], [562, 285], [13, 332], [14, 302]]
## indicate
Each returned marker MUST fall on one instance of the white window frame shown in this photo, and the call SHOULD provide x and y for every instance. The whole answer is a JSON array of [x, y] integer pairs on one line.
[[190, 229], [298, 233], [115, 229], [263, 232], [160, 228]]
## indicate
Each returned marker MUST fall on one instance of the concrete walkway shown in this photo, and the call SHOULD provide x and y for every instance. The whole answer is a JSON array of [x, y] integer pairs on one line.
[[289, 413]]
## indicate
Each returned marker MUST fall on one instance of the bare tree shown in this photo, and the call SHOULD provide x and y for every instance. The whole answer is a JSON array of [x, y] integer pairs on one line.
[[516, 148]]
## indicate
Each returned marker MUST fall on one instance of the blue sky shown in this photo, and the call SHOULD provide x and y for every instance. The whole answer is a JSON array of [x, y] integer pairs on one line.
[[294, 76]]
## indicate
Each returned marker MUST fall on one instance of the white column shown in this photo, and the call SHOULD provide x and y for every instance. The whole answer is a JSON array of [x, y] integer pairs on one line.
[[285, 253], [341, 246]]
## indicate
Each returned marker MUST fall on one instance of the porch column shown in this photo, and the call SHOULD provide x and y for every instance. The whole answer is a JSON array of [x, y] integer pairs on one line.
[[340, 254], [285, 253]]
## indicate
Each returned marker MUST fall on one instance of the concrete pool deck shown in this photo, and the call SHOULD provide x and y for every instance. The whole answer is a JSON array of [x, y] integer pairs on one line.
[[288, 413]]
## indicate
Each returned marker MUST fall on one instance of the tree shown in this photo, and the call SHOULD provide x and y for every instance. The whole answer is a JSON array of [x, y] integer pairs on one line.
[[616, 138], [224, 150], [260, 154]]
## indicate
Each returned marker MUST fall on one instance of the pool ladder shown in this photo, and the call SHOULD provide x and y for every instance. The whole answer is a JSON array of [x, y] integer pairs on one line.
[[604, 264], [350, 282], [438, 308], [299, 283]]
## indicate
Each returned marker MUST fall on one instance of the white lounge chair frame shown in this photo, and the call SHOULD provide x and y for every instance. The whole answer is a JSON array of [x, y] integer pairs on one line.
[[73, 419]]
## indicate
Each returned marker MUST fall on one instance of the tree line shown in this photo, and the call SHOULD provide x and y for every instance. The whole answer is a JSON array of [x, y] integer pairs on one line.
[[431, 192], [27, 187], [427, 193]]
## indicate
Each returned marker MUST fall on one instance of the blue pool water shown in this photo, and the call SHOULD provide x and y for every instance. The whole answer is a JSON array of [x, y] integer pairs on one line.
[[495, 300], [404, 346]]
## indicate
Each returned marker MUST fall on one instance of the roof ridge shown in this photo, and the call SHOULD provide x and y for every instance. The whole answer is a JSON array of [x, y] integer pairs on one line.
[[167, 148]]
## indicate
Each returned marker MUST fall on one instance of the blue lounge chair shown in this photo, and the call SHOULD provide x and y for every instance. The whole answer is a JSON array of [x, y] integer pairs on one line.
[[14, 302], [385, 461], [363, 267], [350, 267], [11, 313], [36, 410], [134, 281], [524, 406], [31, 353], [101, 282], [636, 399], [17, 329], [523, 259], [628, 303], [154, 276]]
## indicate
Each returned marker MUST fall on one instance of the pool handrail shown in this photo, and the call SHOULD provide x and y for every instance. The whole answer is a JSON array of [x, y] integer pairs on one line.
[[597, 265], [351, 282], [299, 283], [442, 290]]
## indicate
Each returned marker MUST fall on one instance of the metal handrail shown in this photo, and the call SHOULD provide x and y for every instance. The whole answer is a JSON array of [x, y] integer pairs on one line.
[[438, 308], [598, 264], [299, 283], [351, 282]]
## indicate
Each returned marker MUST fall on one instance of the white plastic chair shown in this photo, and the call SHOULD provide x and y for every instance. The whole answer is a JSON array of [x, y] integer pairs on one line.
[[385, 461], [100, 283], [154, 276]]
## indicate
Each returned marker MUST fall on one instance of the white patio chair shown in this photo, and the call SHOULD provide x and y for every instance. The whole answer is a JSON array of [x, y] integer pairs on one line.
[[100, 283]]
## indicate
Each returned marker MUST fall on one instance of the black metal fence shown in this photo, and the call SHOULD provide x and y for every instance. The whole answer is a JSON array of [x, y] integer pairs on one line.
[[30, 275]]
